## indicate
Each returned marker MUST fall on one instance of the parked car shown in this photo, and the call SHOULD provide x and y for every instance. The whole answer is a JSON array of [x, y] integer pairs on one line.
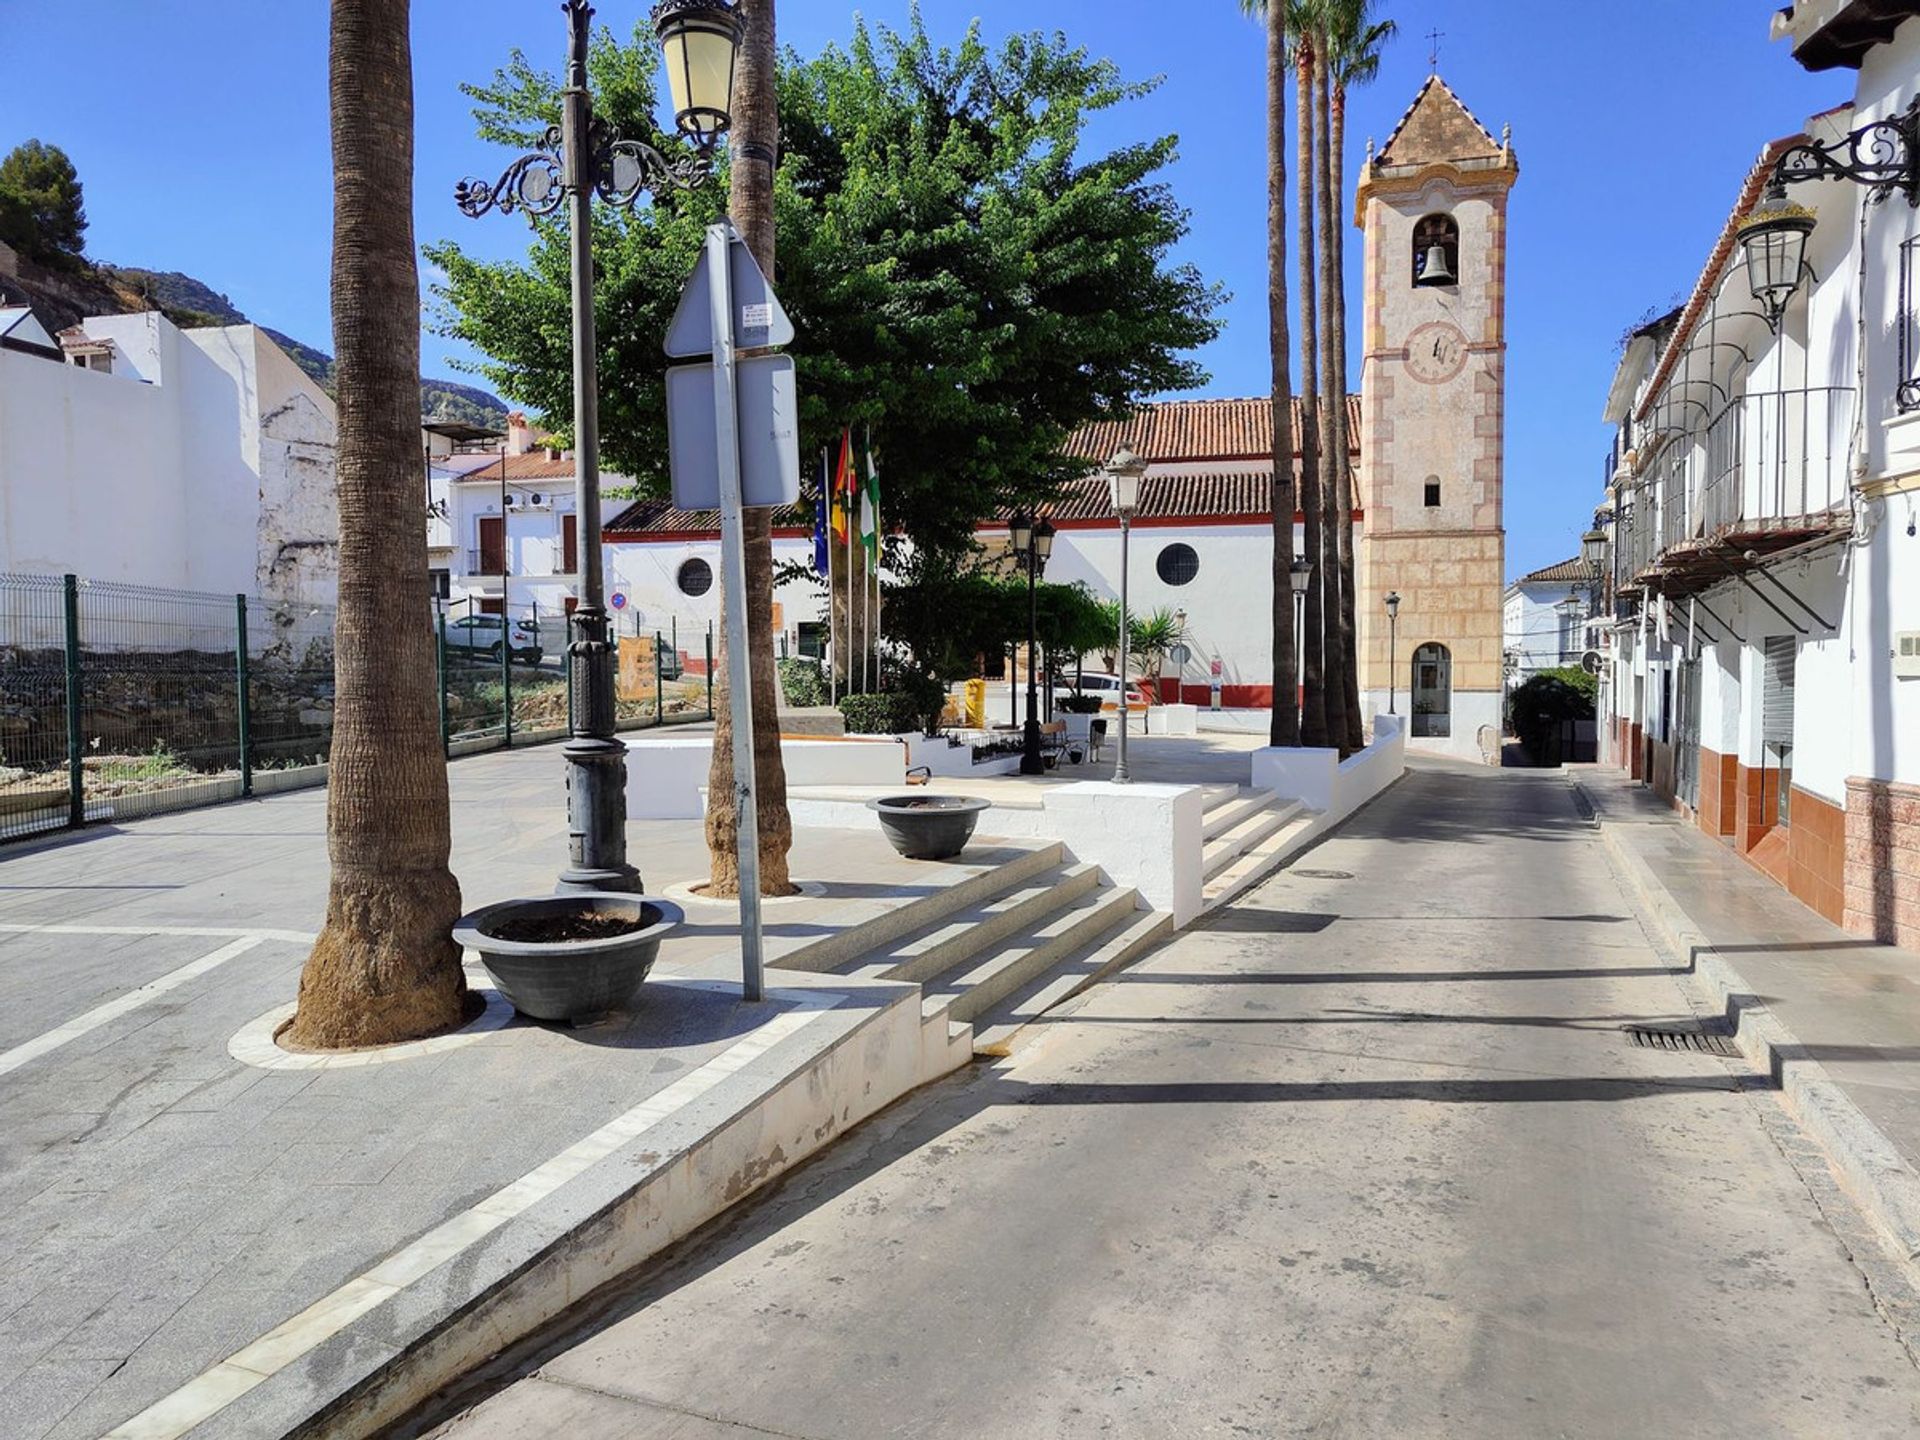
[[1106, 685], [487, 634]]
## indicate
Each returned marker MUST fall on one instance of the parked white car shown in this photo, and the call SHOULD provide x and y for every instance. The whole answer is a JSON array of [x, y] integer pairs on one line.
[[487, 635]]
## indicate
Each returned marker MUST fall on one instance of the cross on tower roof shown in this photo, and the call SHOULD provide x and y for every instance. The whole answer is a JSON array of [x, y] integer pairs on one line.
[[1434, 37]]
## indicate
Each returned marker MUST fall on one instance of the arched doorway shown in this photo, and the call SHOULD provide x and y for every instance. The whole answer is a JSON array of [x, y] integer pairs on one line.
[[1432, 691]]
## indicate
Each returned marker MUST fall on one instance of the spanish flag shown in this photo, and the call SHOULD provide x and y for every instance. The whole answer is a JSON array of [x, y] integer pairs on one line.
[[842, 488]]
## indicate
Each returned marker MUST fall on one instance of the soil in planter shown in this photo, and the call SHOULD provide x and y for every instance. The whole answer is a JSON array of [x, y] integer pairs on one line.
[[927, 804], [581, 925]]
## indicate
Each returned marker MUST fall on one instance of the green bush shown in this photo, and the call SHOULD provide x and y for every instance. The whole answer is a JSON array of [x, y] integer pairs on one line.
[[890, 714], [1541, 707], [802, 683], [1077, 704]]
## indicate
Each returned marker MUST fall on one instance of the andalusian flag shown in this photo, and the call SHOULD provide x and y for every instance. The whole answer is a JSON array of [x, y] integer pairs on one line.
[[870, 510], [842, 489]]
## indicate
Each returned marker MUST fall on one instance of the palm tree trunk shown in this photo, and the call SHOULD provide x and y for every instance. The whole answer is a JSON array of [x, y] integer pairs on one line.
[[1332, 432], [1343, 493], [1313, 708], [385, 967], [1285, 726], [755, 142]]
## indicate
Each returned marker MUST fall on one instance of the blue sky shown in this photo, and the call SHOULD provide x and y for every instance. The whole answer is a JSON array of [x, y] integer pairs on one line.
[[200, 131]]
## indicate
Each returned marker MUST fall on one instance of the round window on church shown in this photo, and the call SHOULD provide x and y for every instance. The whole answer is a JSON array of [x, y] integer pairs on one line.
[[1178, 564], [695, 577]]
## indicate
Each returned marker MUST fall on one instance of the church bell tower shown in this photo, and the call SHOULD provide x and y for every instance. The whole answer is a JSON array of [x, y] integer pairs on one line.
[[1432, 206]]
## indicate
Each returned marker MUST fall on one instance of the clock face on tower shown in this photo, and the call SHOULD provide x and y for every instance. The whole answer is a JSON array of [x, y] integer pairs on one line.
[[1436, 352]]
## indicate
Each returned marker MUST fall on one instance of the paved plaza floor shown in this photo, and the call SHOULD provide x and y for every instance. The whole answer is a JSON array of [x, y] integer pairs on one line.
[[166, 1203]]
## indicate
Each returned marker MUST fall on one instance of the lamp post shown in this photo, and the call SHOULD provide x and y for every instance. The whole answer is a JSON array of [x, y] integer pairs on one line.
[[580, 158], [1393, 648], [1299, 576], [1125, 471], [1033, 544]]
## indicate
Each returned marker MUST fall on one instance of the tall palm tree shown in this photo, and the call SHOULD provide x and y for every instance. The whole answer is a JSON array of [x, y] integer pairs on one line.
[[1284, 728], [385, 967], [1333, 444], [756, 138], [1355, 42], [1303, 19]]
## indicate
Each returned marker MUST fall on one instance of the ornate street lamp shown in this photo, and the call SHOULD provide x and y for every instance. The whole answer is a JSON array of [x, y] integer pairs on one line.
[[1034, 544], [1299, 577], [1593, 549], [1774, 243], [579, 158], [1393, 648], [1882, 154], [1124, 471]]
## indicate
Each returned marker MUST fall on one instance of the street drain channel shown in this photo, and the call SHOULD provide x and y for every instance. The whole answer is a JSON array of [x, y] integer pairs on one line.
[[1681, 1037], [1324, 874]]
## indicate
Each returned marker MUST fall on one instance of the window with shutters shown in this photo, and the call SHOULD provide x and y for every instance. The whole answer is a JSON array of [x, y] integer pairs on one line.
[[1776, 716]]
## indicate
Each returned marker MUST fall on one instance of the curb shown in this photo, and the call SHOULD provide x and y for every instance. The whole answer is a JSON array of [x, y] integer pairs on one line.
[[1868, 1164]]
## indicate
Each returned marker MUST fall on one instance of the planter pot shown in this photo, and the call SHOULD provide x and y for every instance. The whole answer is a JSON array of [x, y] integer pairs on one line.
[[928, 827], [568, 979]]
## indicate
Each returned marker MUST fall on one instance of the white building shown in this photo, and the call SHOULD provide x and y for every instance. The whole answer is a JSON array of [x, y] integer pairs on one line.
[[1201, 544], [1765, 650], [134, 451], [1546, 618]]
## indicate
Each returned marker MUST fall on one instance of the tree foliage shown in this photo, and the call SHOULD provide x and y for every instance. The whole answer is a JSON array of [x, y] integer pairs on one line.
[[42, 214], [969, 279]]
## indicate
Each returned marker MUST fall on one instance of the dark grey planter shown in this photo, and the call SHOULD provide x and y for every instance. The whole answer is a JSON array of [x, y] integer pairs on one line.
[[928, 827], [573, 980]]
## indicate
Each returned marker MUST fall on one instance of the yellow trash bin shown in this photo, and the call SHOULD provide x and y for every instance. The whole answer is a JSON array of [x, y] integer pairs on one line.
[[977, 704]]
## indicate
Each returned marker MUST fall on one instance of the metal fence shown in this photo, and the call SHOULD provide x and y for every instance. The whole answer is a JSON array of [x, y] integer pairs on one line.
[[121, 700]]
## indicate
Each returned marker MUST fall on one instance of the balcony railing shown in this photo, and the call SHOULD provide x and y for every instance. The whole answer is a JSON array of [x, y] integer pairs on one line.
[[1766, 461], [486, 562]]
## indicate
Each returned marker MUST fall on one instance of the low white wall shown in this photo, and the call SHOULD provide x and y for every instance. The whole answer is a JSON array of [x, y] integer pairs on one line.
[[1173, 720], [953, 761], [665, 777], [1321, 781], [1237, 722]]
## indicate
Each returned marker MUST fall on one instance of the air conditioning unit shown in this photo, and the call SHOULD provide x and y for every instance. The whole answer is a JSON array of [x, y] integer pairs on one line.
[[535, 498]]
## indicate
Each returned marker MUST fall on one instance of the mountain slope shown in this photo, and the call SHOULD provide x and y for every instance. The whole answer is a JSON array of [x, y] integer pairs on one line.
[[189, 302]]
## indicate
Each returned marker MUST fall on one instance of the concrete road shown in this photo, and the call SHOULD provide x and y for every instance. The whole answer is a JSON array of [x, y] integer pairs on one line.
[[1367, 1154]]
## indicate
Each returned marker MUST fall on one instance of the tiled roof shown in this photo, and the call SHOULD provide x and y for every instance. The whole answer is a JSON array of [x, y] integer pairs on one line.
[[1566, 570], [1162, 497], [661, 517], [1185, 430], [1437, 126], [534, 465], [1706, 286]]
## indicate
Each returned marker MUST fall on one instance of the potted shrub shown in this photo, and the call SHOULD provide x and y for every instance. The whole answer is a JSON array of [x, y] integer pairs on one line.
[[569, 957], [928, 827]]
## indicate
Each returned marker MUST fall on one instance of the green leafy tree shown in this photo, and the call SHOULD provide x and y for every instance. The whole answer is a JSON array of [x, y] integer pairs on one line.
[[970, 278], [42, 214]]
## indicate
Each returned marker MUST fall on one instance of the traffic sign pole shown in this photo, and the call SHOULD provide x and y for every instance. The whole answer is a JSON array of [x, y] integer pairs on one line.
[[733, 571]]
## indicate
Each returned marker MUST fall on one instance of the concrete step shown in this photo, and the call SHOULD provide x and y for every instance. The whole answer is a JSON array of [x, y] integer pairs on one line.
[[996, 1031], [1253, 866], [957, 939], [843, 946], [972, 989], [1219, 792], [1228, 846], [1230, 812]]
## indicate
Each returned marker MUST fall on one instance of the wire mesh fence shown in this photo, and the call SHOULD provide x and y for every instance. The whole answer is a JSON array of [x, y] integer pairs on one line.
[[122, 700]]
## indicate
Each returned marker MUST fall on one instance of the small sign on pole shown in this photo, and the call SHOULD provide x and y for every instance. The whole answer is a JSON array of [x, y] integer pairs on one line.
[[733, 440]]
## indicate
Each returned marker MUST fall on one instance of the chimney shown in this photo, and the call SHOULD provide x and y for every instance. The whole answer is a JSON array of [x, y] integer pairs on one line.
[[519, 434]]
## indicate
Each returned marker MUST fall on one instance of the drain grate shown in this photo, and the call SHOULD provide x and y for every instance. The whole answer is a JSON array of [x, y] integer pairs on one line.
[[1684, 1037], [1324, 874]]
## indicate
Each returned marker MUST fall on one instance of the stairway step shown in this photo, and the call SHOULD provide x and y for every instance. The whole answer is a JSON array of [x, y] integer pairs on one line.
[[1244, 803], [995, 1030], [1220, 852], [828, 952], [955, 940], [1256, 863], [969, 991]]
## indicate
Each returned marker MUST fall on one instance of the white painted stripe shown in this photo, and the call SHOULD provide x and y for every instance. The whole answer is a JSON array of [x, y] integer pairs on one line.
[[298, 937], [213, 1390], [93, 1019]]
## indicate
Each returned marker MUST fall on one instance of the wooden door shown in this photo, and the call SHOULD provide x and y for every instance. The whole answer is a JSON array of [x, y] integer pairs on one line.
[[570, 544], [493, 545]]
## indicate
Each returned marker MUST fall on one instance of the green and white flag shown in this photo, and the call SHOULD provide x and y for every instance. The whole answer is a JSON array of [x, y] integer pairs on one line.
[[870, 510]]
